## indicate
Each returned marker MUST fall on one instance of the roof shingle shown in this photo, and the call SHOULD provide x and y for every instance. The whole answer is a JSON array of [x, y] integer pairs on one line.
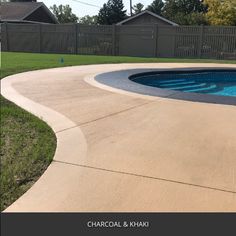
[[18, 10]]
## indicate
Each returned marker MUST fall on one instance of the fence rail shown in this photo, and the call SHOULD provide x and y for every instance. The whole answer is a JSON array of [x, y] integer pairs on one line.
[[211, 42]]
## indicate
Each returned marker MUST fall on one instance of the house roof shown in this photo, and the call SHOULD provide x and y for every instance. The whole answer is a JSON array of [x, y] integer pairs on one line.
[[150, 13], [19, 11]]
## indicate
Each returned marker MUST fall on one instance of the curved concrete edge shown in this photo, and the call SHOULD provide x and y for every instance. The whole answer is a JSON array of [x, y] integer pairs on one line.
[[120, 82], [69, 136], [92, 81]]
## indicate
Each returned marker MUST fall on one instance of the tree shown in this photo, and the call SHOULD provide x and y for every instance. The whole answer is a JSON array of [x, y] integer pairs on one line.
[[64, 14], [103, 15], [195, 18], [112, 12], [185, 12], [88, 20], [117, 11], [183, 6], [221, 12], [156, 7], [138, 8]]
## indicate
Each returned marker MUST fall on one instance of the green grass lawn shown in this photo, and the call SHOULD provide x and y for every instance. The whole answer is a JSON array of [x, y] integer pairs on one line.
[[20, 62], [27, 143], [27, 148]]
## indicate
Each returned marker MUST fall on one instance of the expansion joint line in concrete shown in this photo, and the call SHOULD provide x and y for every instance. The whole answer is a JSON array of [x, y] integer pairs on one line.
[[147, 177], [104, 117]]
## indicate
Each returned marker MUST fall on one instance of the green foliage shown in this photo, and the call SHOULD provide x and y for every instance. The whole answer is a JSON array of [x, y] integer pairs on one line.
[[195, 18], [64, 14], [221, 12], [185, 12], [138, 8], [112, 12], [103, 15], [88, 20], [156, 7], [183, 6], [182, 12]]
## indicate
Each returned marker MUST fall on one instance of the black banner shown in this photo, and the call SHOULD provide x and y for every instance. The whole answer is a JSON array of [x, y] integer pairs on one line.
[[73, 224]]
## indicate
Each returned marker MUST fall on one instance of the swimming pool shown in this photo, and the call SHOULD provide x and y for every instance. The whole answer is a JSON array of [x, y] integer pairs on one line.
[[213, 82]]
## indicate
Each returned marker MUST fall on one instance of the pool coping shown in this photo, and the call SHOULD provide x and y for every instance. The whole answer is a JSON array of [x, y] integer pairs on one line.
[[122, 80]]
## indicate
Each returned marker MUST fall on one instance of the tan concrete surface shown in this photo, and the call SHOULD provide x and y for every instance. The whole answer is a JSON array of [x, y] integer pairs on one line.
[[114, 146]]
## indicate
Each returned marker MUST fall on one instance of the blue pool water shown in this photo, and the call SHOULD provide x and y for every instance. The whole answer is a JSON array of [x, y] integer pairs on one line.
[[207, 82]]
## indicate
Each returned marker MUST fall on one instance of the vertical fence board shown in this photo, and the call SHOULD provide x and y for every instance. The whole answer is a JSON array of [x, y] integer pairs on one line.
[[76, 39], [4, 38], [200, 42], [114, 40], [155, 29], [40, 38]]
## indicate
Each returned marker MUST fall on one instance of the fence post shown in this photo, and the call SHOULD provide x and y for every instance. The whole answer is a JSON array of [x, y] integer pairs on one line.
[[40, 38], [200, 41], [114, 40], [7, 37], [76, 38], [174, 41], [155, 38]]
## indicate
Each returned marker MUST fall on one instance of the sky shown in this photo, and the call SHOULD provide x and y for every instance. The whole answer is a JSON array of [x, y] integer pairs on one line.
[[81, 9]]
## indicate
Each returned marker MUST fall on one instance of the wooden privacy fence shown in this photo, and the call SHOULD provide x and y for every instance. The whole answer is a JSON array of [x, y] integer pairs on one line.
[[211, 42]]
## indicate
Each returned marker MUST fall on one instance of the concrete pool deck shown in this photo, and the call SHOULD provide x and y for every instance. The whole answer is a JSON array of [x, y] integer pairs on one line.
[[126, 152]]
